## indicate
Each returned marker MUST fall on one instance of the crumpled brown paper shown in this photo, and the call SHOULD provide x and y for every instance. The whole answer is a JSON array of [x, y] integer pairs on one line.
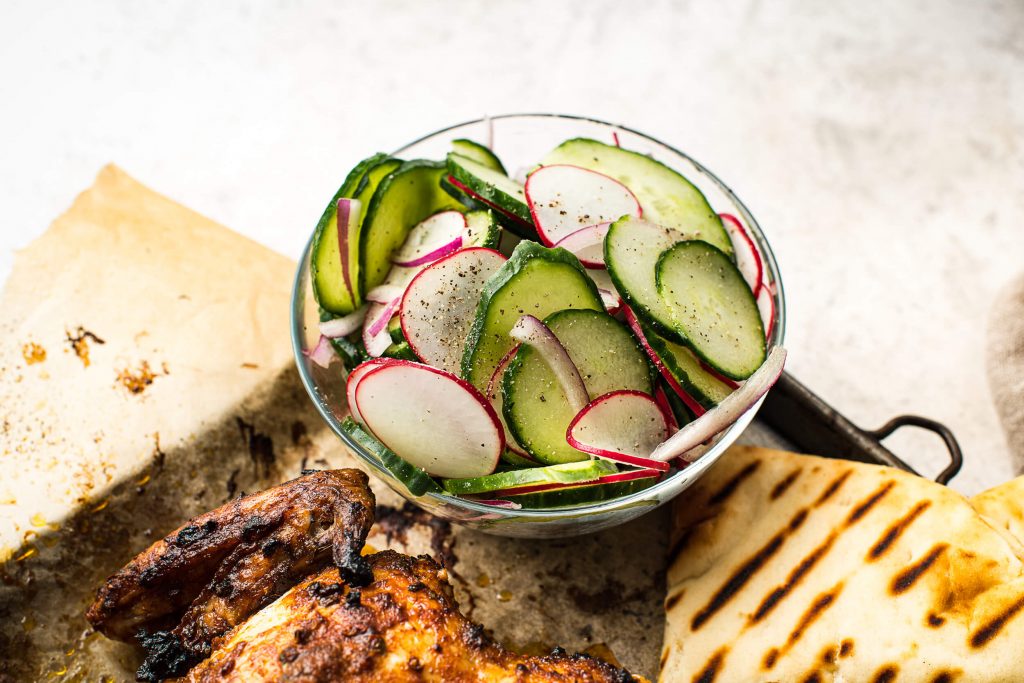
[[146, 376]]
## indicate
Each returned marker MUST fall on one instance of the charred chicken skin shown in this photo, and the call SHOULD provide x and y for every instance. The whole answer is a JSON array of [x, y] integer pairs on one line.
[[212, 574], [403, 626]]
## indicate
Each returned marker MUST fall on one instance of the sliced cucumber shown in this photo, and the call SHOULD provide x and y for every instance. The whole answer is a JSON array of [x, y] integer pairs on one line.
[[490, 185], [686, 369], [535, 280], [326, 270], [631, 251], [668, 198], [395, 330], [682, 414], [407, 196], [581, 495], [587, 470], [352, 353], [400, 350], [415, 479], [713, 308], [535, 407], [478, 153], [515, 460], [482, 230]]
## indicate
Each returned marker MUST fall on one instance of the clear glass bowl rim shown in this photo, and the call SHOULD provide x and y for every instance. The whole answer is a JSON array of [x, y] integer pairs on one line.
[[550, 514]]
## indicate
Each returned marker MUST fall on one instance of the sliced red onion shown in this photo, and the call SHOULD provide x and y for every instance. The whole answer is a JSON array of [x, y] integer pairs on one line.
[[682, 443], [322, 354], [530, 330], [612, 302], [344, 326], [349, 210], [376, 337], [433, 255], [587, 244], [385, 294]]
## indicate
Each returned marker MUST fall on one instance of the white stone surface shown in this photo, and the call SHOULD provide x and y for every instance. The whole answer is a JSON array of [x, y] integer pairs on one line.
[[881, 145]]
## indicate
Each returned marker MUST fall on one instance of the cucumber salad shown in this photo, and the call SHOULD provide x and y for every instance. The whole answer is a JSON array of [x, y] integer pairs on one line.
[[556, 342]]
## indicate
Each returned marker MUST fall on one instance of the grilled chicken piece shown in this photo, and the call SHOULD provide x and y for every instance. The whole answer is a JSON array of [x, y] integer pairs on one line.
[[211, 574], [404, 626]]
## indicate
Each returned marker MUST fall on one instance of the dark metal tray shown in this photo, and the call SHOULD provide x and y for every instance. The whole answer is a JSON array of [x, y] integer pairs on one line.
[[803, 419]]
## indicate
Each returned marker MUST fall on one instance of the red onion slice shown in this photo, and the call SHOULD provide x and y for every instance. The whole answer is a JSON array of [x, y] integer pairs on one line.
[[725, 413], [322, 354], [376, 337], [530, 330], [344, 326], [385, 294], [349, 211], [433, 255]]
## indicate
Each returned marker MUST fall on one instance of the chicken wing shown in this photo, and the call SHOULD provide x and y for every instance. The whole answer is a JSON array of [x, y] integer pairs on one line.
[[404, 626], [211, 574]]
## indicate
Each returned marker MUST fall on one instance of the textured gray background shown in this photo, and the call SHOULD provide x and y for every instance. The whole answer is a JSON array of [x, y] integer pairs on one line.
[[878, 143]]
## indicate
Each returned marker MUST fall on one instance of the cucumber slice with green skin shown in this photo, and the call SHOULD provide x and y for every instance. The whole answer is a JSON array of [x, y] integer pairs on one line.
[[516, 460], [668, 198], [482, 230], [683, 415], [584, 495], [588, 470], [401, 351], [407, 196], [351, 353], [395, 330], [415, 479], [478, 153], [632, 248], [535, 407], [326, 266], [471, 200], [713, 308], [493, 186], [535, 280]]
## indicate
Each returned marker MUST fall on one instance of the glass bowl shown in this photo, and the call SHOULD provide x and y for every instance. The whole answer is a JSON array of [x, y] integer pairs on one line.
[[520, 140]]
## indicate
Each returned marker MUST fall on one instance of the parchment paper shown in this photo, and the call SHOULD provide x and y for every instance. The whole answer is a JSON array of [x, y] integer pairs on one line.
[[192, 398]]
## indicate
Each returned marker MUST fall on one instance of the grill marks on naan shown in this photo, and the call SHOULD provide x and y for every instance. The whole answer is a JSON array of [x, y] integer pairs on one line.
[[896, 530], [710, 670], [991, 628], [784, 485], [906, 578], [818, 607]]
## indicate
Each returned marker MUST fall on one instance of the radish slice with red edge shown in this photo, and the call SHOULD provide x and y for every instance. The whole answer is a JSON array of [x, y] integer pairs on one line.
[[616, 478], [666, 409], [565, 198], [348, 216], [344, 326], [376, 337], [766, 305], [322, 354], [719, 418], [385, 294], [622, 426], [587, 244], [439, 305], [748, 259], [493, 394], [431, 239], [431, 418], [694, 406], [358, 372], [530, 330]]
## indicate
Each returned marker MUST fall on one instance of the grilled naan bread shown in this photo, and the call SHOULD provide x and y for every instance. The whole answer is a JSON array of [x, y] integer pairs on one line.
[[797, 568]]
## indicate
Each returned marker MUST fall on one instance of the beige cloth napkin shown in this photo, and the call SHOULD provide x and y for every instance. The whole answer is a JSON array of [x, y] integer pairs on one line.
[[1005, 360]]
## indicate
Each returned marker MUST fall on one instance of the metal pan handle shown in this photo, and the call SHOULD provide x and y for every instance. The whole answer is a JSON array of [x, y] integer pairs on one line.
[[956, 456], [813, 426]]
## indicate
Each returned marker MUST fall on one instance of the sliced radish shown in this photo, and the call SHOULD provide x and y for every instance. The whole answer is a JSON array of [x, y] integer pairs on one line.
[[385, 294], [530, 330], [587, 244], [322, 354], [358, 372], [564, 198], [616, 478], [344, 326], [439, 305], [622, 426], [748, 259], [349, 213], [376, 337], [494, 396], [695, 407], [766, 305], [488, 203], [431, 418], [683, 442], [666, 409], [431, 239], [610, 296]]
